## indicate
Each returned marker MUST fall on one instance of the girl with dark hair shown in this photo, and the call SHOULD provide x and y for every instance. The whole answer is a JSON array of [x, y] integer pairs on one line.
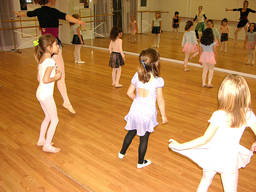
[[176, 23], [207, 57], [243, 20], [48, 18], [189, 44], [45, 47], [142, 117], [117, 56], [250, 39]]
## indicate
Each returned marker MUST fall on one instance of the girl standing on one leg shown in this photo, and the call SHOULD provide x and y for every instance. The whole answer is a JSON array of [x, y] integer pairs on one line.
[[48, 18], [117, 56], [189, 44], [219, 150], [157, 28], [78, 40], [176, 23], [142, 117], [207, 57], [250, 39], [45, 47], [200, 19], [224, 30], [244, 12]]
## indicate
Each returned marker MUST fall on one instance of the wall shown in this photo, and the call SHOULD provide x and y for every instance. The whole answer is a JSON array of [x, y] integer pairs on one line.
[[144, 20]]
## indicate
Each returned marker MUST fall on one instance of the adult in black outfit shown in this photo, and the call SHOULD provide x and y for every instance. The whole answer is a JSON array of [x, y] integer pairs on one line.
[[48, 18], [243, 20]]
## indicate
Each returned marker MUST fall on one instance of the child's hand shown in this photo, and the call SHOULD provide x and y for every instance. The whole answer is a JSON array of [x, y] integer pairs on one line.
[[174, 144], [57, 75], [164, 120], [253, 147]]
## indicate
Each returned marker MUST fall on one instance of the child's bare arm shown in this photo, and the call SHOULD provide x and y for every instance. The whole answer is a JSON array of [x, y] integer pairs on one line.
[[253, 127], [209, 133], [79, 35], [161, 104], [130, 91]]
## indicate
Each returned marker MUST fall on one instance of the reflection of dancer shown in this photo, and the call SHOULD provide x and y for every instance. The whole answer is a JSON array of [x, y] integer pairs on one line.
[[250, 39], [176, 23], [78, 40], [142, 117], [48, 18], [133, 28], [218, 150], [200, 17], [224, 30], [243, 20], [45, 47], [157, 28]]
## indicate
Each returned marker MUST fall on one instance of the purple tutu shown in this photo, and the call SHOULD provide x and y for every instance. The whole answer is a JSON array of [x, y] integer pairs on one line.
[[207, 57]]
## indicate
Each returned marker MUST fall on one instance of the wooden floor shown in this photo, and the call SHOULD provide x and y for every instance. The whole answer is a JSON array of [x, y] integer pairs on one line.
[[170, 47], [91, 139]]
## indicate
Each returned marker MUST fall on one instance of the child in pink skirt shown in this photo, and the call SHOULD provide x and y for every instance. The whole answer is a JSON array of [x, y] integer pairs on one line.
[[207, 57], [189, 44]]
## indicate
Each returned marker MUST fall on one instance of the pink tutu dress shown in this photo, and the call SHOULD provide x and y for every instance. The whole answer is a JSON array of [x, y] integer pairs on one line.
[[207, 56], [189, 42], [143, 113], [223, 153]]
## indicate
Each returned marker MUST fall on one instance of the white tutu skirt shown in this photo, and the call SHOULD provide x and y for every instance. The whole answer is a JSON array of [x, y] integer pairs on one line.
[[218, 159]]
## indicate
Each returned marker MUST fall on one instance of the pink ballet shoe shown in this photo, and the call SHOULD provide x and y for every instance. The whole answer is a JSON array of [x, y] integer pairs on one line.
[[50, 149], [118, 85], [210, 86], [69, 107], [186, 69]]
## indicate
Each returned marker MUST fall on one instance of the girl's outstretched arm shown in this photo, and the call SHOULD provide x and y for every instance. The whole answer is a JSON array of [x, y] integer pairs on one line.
[[209, 133], [161, 104], [253, 127], [130, 91]]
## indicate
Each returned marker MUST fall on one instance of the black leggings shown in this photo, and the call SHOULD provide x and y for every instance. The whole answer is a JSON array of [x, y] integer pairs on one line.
[[142, 147]]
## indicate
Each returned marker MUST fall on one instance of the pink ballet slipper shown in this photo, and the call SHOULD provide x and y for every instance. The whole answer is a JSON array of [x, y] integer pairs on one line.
[[69, 107], [41, 143], [50, 149]]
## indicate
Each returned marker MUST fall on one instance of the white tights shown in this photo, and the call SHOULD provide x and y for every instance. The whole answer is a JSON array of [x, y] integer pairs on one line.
[[49, 107], [207, 68], [157, 40], [77, 52], [229, 181]]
